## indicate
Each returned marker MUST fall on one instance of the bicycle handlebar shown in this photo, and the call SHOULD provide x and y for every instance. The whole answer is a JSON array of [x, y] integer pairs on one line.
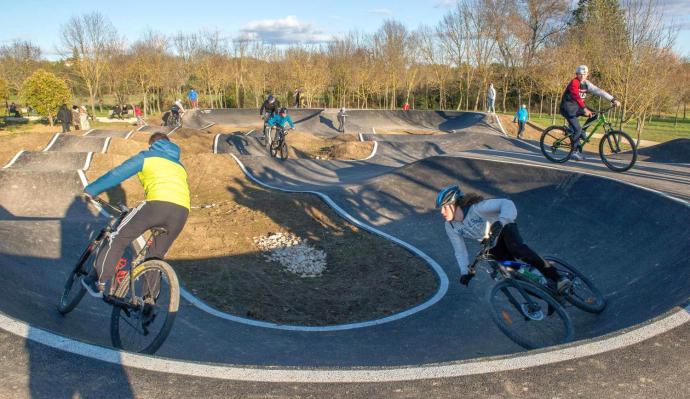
[[120, 208]]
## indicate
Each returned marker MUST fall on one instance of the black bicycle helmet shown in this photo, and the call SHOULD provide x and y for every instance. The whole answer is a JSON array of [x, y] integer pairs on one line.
[[283, 110]]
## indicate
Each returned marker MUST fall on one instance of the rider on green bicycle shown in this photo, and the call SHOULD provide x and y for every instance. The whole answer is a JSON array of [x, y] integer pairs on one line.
[[467, 216], [167, 206], [573, 104]]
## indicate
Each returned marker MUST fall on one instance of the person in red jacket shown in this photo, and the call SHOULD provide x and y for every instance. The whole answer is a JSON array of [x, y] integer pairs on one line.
[[406, 107], [573, 104]]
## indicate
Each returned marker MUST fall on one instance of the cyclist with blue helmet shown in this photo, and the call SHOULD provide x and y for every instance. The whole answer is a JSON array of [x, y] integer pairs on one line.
[[467, 216]]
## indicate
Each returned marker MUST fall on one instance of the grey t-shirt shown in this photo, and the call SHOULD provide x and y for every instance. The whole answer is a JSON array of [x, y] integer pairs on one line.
[[475, 225]]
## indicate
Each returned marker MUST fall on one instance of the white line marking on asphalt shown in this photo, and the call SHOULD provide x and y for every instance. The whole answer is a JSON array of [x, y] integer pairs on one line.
[[131, 132], [373, 130], [584, 172], [354, 375], [14, 159], [87, 163], [106, 144], [52, 141], [360, 137], [215, 143], [88, 131], [373, 151], [249, 132]]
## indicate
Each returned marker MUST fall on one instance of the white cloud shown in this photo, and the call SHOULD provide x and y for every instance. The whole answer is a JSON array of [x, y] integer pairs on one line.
[[288, 30], [381, 11]]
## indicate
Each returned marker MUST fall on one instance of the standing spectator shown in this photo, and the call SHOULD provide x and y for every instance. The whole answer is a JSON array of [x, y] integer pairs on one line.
[[139, 115], [193, 98], [65, 117], [84, 118], [406, 107], [341, 120], [75, 117], [298, 95], [521, 117], [490, 99]]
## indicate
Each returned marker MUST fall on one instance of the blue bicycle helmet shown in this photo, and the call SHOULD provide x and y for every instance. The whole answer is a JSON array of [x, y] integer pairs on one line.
[[448, 195]]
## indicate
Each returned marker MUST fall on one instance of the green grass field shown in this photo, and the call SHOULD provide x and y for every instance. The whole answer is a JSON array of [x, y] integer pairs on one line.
[[657, 130]]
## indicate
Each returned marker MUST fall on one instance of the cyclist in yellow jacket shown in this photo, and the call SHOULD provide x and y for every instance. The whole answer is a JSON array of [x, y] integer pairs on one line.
[[166, 206]]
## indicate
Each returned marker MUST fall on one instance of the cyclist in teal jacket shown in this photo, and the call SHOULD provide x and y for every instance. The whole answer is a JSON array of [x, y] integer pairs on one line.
[[281, 119]]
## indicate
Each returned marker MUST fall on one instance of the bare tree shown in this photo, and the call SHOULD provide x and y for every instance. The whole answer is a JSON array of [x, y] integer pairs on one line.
[[88, 40]]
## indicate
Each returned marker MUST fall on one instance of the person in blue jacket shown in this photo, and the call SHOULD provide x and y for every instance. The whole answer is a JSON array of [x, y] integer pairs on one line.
[[166, 206], [521, 117], [280, 119]]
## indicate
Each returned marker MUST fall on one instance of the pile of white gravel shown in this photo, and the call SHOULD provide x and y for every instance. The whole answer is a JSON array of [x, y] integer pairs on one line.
[[293, 253]]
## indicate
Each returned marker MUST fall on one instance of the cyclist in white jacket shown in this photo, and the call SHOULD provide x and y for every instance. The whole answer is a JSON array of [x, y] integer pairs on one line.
[[467, 216]]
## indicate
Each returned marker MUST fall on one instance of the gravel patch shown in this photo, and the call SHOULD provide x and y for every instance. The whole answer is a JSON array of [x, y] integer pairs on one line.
[[293, 253]]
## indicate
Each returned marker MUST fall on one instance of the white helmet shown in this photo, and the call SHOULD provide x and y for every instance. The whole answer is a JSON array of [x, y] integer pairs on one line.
[[178, 100], [582, 70]]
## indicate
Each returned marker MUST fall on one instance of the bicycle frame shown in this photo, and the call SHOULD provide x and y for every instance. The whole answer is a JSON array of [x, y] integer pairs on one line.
[[600, 121]]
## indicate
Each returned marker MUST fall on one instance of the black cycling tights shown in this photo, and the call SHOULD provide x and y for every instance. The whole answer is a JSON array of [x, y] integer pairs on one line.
[[511, 247]]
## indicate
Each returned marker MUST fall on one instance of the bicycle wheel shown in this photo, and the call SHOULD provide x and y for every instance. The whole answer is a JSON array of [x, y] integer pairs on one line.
[[618, 151], [556, 144], [269, 141], [73, 291], [583, 294], [283, 150], [144, 327], [528, 315], [275, 147]]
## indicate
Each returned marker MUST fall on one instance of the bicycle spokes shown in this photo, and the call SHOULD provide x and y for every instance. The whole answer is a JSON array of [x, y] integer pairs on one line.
[[618, 151]]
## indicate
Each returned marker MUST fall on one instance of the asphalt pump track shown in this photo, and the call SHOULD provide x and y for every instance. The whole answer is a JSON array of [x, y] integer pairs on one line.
[[628, 233]]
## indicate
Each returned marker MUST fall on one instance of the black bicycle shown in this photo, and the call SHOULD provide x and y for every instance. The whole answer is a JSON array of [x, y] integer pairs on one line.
[[145, 295], [277, 146], [527, 309]]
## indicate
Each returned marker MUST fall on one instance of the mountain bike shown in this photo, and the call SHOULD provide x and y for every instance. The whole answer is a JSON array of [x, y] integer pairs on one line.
[[528, 309], [617, 149], [277, 146], [145, 293]]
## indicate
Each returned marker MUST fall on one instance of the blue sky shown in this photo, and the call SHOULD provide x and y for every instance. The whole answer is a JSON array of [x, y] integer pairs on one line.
[[280, 21]]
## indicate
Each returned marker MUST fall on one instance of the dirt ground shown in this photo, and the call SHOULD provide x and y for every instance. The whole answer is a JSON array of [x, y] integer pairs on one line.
[[217, 259], [33, 137]]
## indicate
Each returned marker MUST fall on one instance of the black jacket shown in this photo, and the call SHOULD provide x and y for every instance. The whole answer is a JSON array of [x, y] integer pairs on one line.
[[64, 115], [268, 107]]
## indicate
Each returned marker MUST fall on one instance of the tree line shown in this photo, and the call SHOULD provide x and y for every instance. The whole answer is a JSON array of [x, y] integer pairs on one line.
[[527, 48]]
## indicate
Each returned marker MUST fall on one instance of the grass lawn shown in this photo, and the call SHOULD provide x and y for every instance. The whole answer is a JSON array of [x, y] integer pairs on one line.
[[657, 130]]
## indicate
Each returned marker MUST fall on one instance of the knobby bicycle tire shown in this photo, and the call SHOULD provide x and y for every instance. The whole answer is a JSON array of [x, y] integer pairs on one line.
[[562, 142], [533, 290], [283, 150], [613, 138], [594, 303], [73, 283], [173, 304]]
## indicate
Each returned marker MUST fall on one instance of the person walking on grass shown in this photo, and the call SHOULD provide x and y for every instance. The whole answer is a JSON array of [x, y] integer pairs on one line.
[[521, 117], [65, 117], [491, 99]]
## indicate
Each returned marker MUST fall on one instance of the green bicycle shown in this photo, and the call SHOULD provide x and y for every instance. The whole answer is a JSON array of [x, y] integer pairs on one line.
[[617, 149]]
